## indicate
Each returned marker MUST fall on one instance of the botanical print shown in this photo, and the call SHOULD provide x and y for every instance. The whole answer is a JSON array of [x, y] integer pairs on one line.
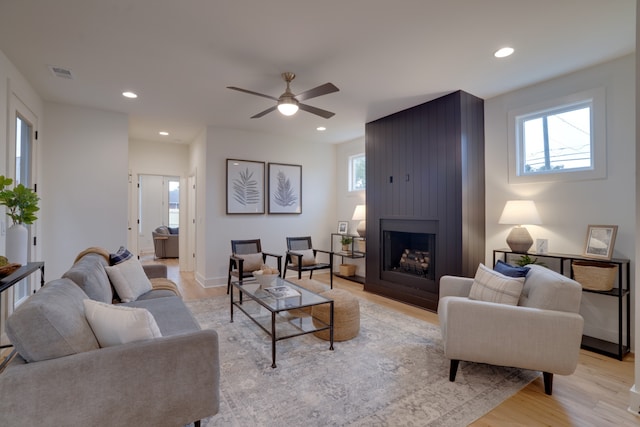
[[245, 187], [284, 195], [285, 189]]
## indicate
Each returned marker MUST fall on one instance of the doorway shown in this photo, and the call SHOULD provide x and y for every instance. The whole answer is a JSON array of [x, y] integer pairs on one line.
[[158, 204]]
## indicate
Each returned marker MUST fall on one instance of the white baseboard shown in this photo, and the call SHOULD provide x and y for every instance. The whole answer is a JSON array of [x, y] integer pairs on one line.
[[634, 401], [211, 282]]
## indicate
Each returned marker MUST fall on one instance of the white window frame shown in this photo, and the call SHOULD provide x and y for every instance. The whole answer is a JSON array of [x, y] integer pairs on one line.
[[598, 139], [352, 159]]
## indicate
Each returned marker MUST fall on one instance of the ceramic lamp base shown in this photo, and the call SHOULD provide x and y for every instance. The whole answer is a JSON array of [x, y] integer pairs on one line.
[[519, 239]]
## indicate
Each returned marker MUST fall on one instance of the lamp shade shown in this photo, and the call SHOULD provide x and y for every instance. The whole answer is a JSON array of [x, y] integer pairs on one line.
[[360, 213], [520, 212]]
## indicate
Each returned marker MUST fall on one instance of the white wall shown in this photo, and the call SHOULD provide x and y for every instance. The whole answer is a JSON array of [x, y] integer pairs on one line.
[[567, 208], [318, 218], [347, 201], [84, 183]]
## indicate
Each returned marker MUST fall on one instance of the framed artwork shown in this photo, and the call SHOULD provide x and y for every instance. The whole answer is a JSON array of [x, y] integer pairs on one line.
[[245, 187], [343, 226], [600, 241], [285, 189]]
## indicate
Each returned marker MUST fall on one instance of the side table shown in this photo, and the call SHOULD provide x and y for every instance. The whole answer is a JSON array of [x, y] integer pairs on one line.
[[15, 277]]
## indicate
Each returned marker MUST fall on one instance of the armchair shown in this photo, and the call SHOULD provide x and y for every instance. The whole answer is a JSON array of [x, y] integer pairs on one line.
[[301, 256], [246, 257], [543, 332], [165, 242]]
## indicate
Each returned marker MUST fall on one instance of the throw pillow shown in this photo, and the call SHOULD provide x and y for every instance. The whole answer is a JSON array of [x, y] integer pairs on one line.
[[491, 286], [115, 325], [120, 256], [510, 270], [252, 262], [307, 257], [130, 280]]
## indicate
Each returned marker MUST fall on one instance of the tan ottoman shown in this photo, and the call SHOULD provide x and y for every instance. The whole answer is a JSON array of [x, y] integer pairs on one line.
[[310, 285], [346, 315]]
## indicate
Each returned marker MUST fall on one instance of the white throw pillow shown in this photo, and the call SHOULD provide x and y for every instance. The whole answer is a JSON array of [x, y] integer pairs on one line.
[[252, 262], [491, 286], [115, 325], [129, 279], [307, 257]]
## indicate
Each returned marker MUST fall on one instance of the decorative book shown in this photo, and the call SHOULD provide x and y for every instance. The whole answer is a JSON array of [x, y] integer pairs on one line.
[[285, 295]]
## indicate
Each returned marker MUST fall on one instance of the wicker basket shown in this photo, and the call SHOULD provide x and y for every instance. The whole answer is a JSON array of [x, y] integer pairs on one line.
[[347, 269], [595, 276]]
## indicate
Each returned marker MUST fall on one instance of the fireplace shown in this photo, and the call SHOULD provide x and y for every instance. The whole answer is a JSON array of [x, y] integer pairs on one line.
[[409, 253]]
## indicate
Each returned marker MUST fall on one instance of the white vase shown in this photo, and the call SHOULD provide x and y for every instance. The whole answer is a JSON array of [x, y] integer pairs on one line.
[[17, 244]]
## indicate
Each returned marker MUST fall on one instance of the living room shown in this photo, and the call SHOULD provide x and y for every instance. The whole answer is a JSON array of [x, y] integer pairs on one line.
[[88, 195]]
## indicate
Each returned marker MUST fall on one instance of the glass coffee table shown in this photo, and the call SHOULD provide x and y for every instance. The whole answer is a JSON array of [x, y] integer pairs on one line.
[[282, 309]]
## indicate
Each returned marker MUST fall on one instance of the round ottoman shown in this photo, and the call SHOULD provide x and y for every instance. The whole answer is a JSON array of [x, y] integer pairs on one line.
[[346, 315]]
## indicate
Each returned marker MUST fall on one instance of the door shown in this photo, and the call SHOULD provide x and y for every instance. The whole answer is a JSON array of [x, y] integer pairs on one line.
[[22, 152]]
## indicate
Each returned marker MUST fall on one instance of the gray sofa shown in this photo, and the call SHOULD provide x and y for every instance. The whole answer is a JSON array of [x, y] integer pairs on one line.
[[61, 377], [165, 242]]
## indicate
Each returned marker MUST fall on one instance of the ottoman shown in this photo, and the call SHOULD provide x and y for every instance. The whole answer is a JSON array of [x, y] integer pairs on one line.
[[346, 315]]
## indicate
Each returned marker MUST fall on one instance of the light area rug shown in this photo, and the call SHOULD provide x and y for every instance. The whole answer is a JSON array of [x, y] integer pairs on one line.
[[393, 373]]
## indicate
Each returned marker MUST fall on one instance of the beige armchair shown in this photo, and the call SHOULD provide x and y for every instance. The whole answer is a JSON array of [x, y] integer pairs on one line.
[[543, 332]]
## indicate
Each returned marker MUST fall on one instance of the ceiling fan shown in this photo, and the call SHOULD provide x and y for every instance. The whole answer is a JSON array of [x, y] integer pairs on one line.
[[288, 103]]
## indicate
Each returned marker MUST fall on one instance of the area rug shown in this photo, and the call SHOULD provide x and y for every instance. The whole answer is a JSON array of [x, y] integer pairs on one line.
[[393, 373]]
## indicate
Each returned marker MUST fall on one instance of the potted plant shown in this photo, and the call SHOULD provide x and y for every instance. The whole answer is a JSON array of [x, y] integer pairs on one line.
[[346, 243], [22, 204]]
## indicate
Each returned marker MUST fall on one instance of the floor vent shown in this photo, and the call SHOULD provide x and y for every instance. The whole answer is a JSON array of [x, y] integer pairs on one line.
[[61, 72]]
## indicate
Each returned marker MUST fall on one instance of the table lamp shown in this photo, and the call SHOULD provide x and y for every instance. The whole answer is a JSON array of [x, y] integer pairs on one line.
[[518, 213], [360, 214]]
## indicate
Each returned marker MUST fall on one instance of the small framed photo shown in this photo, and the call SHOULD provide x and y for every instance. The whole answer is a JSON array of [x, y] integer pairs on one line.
[[285, 189], [245, 187], [600, 241], [343, 226]]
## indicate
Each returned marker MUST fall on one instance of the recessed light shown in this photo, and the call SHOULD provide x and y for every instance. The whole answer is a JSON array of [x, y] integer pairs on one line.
[[321, 128], [131, 95], [503, 52], [163, 133]]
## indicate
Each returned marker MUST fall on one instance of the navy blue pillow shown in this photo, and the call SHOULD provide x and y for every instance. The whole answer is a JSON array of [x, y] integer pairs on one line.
[[120, 256], [509, 270]]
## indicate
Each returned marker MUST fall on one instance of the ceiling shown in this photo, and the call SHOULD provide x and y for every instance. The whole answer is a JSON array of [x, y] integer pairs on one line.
[[385, 56]]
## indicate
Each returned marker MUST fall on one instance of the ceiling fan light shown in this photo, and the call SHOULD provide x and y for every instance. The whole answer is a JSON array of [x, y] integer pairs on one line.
[[287, 109]]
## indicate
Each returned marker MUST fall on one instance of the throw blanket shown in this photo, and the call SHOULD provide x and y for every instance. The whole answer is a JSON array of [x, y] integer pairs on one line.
[[161, 283]]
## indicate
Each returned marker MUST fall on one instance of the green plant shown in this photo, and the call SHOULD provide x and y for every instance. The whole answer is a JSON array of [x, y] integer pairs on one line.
[[21, 202], [346, 240], [526, 259]]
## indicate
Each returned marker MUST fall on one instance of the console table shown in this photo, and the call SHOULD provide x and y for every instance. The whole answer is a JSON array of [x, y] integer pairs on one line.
[[13, 278], [352, 254], [622, 292]]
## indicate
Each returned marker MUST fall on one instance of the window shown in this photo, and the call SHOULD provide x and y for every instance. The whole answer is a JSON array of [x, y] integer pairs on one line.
[[357, 173], [562, 139]]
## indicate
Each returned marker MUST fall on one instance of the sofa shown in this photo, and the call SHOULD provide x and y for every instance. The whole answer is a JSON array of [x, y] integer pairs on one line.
[[165, 241], [64, 374], [539, 328]]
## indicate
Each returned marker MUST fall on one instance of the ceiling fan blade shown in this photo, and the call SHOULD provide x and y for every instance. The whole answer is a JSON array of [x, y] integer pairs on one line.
[[262, 113], [252, 92], [317, 91], [317, 111]]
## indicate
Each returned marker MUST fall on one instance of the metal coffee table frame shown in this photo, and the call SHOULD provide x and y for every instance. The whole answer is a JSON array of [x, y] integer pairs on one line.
[[295, 326]]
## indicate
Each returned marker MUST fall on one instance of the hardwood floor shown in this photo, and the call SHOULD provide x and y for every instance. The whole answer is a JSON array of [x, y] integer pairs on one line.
[[597, 394]]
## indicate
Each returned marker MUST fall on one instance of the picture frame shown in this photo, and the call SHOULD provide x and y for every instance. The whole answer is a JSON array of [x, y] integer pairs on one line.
[[343, 227], [285, 188], [600, 241], [245, 187]]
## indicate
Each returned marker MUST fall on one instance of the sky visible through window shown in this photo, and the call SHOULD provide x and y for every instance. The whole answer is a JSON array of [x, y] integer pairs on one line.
[[558, 141]]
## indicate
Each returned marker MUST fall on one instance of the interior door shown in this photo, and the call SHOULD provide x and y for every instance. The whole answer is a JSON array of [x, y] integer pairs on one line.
[[151, 212]]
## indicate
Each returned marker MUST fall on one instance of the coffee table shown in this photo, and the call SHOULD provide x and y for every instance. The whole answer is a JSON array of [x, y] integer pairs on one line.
[[280, 317]]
